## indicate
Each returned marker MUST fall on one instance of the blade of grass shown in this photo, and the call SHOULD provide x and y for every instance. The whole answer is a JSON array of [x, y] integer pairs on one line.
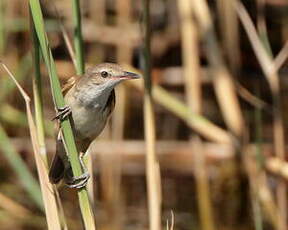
[[50, 198], [152, 165], [86, 209], [46, 188]]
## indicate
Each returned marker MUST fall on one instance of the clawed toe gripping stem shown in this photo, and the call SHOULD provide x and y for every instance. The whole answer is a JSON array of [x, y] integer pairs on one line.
[[63, 113], [79, 181]]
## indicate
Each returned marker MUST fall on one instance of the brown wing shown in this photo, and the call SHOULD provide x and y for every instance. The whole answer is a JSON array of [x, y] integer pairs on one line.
[[70, 83], [57, 168], [110, 105]]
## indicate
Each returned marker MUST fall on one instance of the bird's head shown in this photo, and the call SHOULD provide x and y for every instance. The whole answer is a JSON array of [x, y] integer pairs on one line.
[[109, 74]]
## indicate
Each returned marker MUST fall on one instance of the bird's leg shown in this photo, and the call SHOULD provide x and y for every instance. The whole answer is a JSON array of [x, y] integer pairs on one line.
[[79, 181], [63, 113]]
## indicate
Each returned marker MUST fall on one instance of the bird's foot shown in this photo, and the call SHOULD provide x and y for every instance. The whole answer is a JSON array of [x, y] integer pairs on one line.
[[79, 181], [63, 113]]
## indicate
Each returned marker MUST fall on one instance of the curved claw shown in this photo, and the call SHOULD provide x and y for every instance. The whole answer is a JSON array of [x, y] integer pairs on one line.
[[63, 113], [78, 182]]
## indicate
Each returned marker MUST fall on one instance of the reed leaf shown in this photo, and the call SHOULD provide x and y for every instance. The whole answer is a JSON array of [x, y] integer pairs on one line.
[[37, 16]]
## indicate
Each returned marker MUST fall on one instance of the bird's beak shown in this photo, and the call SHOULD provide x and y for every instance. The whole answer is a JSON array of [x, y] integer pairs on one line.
[[130, 75]]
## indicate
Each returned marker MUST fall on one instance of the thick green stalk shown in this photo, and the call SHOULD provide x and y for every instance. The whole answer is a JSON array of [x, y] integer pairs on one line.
[[49, 198], [37, 16]]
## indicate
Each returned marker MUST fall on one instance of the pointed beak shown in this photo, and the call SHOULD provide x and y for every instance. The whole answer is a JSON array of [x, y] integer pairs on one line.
[[130, 75]]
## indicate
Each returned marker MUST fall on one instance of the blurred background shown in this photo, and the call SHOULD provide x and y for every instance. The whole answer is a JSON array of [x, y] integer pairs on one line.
[[219, 74]]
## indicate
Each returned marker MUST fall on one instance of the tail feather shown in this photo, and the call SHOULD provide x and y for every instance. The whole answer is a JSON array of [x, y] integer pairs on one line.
[[57, 169]]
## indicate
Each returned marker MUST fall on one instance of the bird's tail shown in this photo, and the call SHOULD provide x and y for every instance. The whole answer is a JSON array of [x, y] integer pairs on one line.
[[57, 168]]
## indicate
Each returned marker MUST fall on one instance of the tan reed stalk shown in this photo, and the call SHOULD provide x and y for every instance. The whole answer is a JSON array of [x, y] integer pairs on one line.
[[152, 166], [50, 205], [222, 80], [281, 57], [267, 64], [192, 75], [230, 33], [260, 188]]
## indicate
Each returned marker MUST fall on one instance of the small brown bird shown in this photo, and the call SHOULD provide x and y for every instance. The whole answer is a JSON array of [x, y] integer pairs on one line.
[[90, 99]]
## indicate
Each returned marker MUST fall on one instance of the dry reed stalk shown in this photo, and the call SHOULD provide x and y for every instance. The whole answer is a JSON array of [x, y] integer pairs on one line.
[[261, 25], [281, 57], [277, 167], [260, 188], [192, 75], [190, 56], [39, 121], [268, 68], [223, 83], [152, 166], [230, 33], [49, 200]]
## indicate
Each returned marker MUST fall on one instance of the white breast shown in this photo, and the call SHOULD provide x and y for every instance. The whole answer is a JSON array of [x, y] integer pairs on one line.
[[89, 119]]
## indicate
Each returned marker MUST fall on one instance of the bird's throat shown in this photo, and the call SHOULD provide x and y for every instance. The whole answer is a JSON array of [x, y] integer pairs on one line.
[[94, 96]]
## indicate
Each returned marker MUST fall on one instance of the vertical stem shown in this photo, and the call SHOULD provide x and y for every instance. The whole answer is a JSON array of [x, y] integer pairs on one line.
[[152, 166], [86, 209], [49, 198], [230, 33], [78, 40], [258, 219], [222, 80], [279, 142], [261, 26], [192, 75], [267, 64]]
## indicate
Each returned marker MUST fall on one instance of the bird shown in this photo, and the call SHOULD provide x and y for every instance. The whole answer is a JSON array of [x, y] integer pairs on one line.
[[90, 100]]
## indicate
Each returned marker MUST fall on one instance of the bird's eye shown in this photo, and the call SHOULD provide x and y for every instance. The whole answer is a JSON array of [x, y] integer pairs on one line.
[[104, 74]]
